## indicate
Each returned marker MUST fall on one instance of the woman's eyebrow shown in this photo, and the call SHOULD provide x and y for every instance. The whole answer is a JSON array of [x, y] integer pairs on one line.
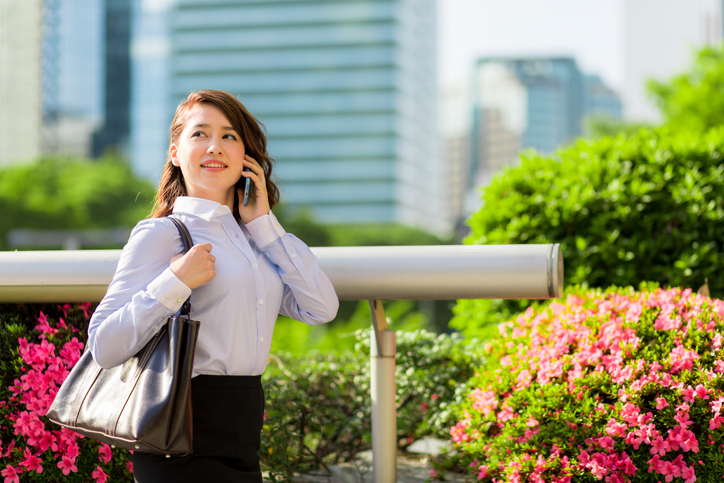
[[206, 126]]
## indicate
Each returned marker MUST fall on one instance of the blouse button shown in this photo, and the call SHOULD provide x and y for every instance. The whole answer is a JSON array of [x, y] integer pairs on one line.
[[294, 255], [255, 266], [261, 302], [261, 339]]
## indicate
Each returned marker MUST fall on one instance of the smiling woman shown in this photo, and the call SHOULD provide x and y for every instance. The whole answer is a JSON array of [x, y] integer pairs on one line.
[[236, 127], [243, 271]]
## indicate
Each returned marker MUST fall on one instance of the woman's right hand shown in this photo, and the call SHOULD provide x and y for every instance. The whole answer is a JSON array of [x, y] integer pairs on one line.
[[196, 267]]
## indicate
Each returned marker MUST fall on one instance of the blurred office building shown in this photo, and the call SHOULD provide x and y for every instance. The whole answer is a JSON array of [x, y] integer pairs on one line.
[[152, 106], [347, 91], [515, 104], [72, 75], [660, 38], [113, 135], [21, 37]]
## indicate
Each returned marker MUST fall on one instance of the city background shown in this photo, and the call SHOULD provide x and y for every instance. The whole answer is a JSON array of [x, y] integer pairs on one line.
[[377, 111]]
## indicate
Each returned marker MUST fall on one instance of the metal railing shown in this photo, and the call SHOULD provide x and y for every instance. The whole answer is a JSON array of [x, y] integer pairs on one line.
[[357, 273]]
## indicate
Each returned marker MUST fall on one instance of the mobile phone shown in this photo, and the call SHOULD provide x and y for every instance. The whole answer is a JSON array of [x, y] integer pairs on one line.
[[247, 185]]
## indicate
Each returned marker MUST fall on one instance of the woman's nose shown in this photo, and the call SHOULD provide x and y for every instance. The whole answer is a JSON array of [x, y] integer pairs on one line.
[[213, 148]]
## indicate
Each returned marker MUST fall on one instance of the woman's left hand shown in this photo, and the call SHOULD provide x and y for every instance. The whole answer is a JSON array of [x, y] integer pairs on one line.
[[258, 199]]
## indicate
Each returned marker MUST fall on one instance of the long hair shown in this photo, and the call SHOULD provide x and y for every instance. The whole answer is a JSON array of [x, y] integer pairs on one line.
[[252, 134]]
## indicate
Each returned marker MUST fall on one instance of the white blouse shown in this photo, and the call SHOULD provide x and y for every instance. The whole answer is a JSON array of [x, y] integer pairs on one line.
[[261, 271]]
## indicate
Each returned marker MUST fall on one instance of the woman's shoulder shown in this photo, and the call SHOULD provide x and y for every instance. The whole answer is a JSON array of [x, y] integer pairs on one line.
[[153, 233], [162, 226]]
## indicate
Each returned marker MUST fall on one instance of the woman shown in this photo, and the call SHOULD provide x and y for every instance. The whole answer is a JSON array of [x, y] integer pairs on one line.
[[244, 270]]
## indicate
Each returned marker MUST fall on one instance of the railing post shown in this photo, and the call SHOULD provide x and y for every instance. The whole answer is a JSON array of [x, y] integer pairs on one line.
[[384, 407]]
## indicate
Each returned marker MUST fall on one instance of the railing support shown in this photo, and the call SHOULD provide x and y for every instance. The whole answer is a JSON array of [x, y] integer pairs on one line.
[[384, 406]]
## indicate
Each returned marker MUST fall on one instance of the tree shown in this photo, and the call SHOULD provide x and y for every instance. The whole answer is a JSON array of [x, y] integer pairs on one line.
[[694, 100], [67, 193]]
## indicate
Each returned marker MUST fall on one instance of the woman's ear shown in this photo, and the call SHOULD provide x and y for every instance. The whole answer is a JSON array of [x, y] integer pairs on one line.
[[173, 151]]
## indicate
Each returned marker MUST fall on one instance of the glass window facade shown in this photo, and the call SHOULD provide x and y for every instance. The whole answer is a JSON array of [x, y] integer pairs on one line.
[[346, 90]]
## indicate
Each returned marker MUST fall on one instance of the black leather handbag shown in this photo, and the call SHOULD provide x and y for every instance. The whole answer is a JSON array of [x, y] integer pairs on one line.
[[143, 405]]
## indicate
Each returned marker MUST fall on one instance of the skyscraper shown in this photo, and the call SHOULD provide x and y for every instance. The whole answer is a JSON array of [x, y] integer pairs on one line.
[[152, 106], [660, 38], [20, 80], [115, 132], [521, 103], [72, 75], [346, 90]]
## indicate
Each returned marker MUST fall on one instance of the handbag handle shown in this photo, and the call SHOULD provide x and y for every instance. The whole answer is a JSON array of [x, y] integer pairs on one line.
[[188, 243]]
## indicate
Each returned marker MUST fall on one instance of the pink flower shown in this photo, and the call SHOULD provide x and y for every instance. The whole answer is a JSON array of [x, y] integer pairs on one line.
[[661, 403], [129, 465], [506, 414], [715, 422], [614, 428], [606, 442], [85, 306], [716, 341], [31, 461], [688, 474], [658, 446], [99, 475], [682, 359], [104, 452], [701, 392], [12, 475], [67, 465]]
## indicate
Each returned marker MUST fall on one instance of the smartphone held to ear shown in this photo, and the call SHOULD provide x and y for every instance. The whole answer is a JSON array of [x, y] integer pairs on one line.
[[245, 184]]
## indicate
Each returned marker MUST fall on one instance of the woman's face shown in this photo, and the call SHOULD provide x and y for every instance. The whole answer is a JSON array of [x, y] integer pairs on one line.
[[210, 154]]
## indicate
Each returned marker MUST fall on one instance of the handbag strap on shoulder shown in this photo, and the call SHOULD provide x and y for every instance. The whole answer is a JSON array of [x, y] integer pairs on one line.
[[188, 243]]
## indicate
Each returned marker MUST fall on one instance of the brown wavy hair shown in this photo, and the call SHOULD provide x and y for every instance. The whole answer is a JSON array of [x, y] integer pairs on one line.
[[252, 134]]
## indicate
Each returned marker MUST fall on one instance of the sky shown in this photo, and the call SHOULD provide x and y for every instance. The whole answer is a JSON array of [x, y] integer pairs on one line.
[[591, 31]]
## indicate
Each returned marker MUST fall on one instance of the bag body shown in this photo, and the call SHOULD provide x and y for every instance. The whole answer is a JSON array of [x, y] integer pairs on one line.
[[143, 405]]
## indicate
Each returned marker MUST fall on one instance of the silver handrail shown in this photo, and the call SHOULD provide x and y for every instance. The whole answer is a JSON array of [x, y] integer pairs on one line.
[[357, 273]]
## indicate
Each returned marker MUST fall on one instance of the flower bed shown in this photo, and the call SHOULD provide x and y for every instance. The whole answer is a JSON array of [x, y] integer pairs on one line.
[[617, 386], [35, 362]]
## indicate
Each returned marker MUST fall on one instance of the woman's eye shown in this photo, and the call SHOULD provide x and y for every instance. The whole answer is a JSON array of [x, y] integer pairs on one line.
[[230, 136], [197, 134]]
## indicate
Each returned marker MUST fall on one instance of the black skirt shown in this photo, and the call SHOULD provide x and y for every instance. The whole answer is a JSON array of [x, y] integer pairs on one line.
[[228, 417]]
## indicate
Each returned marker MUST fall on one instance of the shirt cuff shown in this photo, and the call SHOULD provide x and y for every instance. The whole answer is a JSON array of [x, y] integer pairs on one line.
[[265, 229], [169, 290]]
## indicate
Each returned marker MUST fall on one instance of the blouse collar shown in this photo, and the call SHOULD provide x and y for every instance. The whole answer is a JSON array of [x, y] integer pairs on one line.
[[205, 209]]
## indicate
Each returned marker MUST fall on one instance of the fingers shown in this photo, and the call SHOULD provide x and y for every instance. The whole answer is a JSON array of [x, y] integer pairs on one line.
[[196, 267], [257, 172]]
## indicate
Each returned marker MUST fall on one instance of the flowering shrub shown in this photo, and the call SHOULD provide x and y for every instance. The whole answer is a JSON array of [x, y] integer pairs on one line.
[[34, 363], [617, 386]]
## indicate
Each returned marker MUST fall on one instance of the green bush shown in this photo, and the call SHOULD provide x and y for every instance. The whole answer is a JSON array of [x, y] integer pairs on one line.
[[319, 408], [621, 385], [624, 209]]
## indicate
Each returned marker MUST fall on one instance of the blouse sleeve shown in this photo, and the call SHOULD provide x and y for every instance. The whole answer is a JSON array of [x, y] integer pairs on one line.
[[144, 292], [308, 294]]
